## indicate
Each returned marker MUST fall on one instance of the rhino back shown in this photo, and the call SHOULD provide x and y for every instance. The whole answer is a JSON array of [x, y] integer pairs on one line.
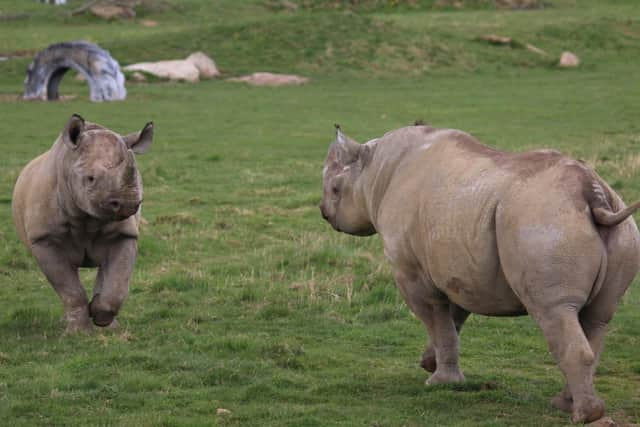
[[440, 211]]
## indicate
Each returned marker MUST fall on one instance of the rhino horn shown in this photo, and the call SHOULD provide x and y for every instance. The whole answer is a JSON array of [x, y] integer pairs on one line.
[[349, 148], [130, 167]]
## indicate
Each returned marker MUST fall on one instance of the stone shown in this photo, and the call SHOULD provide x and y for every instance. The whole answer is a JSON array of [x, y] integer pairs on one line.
[[148, 23], [569, 60], [520, 4], [197, 65], [222, 411], [137, 76], [270, 79], [204, 64], [534, 49], [178, 70], [494, 39], [109, 11]]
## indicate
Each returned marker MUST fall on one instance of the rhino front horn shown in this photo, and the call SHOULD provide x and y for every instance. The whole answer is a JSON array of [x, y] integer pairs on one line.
[[349, 147]]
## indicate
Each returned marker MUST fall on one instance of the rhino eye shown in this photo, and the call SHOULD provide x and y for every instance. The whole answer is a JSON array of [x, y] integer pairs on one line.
[[91, 179], [335, 190]]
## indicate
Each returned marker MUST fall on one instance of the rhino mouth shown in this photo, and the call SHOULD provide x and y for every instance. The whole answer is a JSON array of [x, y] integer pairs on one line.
[[118, 210], [331, 220]]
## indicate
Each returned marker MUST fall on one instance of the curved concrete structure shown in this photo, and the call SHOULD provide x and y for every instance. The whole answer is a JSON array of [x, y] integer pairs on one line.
[[101, 71]]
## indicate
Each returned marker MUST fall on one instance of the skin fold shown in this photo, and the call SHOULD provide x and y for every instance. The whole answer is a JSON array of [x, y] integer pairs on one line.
[[469, 229], [78, 205]]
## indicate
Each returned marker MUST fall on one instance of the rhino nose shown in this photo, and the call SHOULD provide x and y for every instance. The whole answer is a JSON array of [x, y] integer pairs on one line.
[[123, 209], [114, 205]]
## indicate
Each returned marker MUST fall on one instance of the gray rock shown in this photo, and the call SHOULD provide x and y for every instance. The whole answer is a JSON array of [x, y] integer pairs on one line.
[[102, 72]]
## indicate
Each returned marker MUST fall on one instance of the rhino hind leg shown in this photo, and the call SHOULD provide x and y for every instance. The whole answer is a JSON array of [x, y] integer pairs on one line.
[[573, 354], [434, 311], [66, 282], [442, 329], [428, 362]]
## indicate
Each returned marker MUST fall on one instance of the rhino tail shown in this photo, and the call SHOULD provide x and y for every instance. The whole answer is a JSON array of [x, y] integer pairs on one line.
[[598, 199], [605, 216]]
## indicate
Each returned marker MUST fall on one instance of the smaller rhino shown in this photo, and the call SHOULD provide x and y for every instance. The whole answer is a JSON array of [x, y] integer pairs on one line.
[[78, 205]]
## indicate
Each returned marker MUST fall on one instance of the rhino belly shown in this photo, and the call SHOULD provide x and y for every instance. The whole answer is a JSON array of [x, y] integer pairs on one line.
[[490, 297]]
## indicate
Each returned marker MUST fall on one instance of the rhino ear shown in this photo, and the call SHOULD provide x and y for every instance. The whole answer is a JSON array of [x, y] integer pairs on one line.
[[349, 149], [139, 142], [72, 131]]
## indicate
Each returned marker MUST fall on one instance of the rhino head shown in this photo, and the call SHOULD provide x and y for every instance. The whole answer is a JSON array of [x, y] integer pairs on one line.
[[99, 169], [343, 202]]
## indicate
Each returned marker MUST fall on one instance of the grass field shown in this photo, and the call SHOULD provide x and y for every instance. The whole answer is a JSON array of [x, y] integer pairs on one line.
[[243, 298]]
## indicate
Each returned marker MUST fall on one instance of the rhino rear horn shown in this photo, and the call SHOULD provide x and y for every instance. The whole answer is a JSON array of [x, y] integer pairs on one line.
[[139, 142], [72, 131]]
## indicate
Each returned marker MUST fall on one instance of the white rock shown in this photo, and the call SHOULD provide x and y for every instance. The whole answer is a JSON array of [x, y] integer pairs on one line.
[[172, 70], [204, 64], [569, 60], [196, 66]]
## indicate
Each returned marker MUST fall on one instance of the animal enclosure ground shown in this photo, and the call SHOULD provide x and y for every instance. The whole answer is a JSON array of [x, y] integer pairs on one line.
[[243, 298]]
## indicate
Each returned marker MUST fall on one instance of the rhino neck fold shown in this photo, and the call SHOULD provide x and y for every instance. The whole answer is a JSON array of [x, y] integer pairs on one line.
[[389, 153], [373, 183], [64, 194]]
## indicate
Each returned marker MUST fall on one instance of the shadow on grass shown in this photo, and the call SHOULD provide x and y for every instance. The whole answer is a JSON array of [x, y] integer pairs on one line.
[[32, 321]]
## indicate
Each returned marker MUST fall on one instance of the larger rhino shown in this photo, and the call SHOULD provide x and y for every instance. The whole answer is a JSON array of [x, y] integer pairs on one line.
[[469, 229], [78, 205]]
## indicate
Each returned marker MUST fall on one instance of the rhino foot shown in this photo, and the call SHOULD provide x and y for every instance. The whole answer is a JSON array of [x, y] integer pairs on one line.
[[103, 318], [563, 402], [589, 410], [441, 377], [78, 320], [100, 316], [428, 363]]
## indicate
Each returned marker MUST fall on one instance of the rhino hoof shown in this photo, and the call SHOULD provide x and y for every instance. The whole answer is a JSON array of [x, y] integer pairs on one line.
[[429, 363], [562, 402], [445, 378], [589, 410], [100, 317]]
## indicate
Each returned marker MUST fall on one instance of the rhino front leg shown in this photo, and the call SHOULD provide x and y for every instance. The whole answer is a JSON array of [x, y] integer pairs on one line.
[[66, 282], [112, 280], [459, 316], [433, 309]]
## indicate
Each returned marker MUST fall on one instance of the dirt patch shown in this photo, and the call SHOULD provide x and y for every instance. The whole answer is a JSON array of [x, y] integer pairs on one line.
[[382, 5], [10, 97], [270, 79], [17, 97], [177, 219]]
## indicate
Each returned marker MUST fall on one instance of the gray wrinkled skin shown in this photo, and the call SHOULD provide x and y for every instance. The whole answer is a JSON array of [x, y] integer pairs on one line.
[[78, 205], [468, 229]]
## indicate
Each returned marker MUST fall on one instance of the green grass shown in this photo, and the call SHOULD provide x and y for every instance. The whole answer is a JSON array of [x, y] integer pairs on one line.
[[243, 298]]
